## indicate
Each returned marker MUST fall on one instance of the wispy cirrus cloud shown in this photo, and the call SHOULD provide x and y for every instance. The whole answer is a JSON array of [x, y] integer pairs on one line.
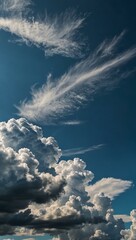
[[57, 98], [111, 187], [109, 47], [80, 151], [11, 7], [54, 34]]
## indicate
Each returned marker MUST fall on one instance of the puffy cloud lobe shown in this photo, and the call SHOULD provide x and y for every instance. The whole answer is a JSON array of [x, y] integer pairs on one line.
[[39, 194], [19, 134], [21, 180], [108, 229], [130, 234], [76, 176], [71, 208]]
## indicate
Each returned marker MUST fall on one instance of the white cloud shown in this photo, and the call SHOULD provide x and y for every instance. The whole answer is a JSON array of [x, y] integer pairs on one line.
[[130, 234], [124, 217], [14, 6], [111, 187], [110, 229], [80, 151], [109, 47], [40, 195], [29, 239], [57, 98], [72, 122], [55, 35]]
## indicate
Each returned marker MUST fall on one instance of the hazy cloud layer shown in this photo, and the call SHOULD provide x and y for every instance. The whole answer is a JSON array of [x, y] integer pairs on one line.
[[40, 195], [60, 97]]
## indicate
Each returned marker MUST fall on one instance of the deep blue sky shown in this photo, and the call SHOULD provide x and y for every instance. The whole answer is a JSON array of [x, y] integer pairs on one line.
[[109, 117]]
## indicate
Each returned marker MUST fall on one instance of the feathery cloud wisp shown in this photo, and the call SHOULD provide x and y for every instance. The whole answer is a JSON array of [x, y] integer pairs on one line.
[[80, 151], [60, 97], [14, 6], [55, 35]]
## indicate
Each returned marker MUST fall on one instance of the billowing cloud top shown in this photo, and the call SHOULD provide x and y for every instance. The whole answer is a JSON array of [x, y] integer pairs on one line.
[[39, 194]]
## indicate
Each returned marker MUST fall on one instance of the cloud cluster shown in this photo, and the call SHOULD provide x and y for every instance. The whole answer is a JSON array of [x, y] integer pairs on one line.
[[59, 97], [23, 153], [40, 194], [55, 34], [110, 229]]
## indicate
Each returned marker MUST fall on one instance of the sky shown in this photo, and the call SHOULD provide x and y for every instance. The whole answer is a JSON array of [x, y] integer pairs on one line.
[[67, 119]]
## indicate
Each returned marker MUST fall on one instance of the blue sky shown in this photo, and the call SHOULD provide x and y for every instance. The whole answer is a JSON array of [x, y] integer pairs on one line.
[[99, 125]]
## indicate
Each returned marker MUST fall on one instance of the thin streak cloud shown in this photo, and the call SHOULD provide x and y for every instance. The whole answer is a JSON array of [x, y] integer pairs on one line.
[[80, 151], [72, 122], [57, 98]]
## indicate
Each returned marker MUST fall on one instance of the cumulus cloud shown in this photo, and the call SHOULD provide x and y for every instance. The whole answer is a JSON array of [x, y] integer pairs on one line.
[[59, 97], [110, 229], [130, 234], [21, 178], [54, 34], [111, 187], [80, 151], [40, 194]]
